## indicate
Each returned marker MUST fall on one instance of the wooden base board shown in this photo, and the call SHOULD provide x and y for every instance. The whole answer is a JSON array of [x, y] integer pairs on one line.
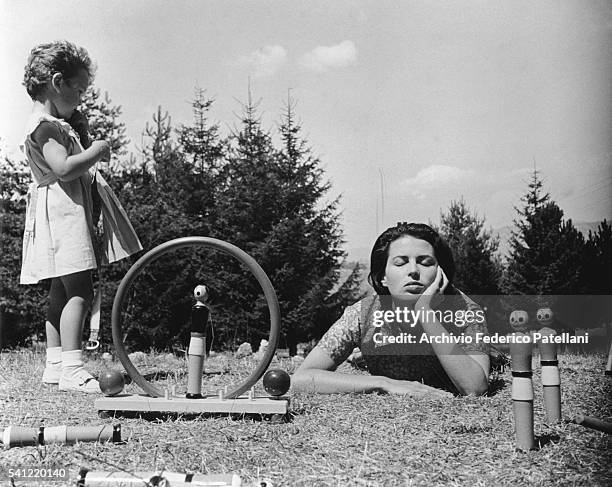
[[180, 404]]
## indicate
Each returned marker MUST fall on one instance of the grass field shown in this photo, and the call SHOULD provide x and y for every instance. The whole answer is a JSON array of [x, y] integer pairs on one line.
[[331, 440]]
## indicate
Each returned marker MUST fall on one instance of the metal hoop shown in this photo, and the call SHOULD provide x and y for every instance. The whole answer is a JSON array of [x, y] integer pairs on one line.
[[169, 246]]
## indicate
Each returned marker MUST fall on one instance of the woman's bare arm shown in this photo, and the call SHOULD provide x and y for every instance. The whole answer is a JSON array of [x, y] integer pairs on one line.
[[317, 374], [469, 372]]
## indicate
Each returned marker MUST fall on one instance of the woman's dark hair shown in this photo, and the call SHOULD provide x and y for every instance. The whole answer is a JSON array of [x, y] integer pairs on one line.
[[380, 252], [54, 57]]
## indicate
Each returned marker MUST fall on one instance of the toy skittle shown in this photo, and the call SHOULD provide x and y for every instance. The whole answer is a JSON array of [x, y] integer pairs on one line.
[[522, 390], [197, 344], [44, 435], [139, 479], [593, 423], [551, 381]]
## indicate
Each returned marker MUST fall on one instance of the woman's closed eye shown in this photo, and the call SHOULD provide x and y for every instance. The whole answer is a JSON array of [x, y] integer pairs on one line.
[[426, 260]]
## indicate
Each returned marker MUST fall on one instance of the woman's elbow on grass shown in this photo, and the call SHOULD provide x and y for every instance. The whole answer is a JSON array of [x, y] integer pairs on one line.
[[301, 379], [477, 389]]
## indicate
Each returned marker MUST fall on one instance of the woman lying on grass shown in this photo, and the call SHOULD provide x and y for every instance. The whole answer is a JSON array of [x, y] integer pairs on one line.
[[418, 333]]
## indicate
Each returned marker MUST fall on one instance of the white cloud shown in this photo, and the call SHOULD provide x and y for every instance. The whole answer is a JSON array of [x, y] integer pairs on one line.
[[454, 180], [437, 176], [322, 58], [265, 61], [440, 174]]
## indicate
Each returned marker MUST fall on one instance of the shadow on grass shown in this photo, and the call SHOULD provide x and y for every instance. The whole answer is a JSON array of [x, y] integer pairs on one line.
[[170, 416], [151, 376], [496, 384], [542, 441], [161, 375], [164, 374]]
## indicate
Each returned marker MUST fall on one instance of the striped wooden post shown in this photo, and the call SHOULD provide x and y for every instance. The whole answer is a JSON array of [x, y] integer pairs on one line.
[[522, 390], [551, 380]]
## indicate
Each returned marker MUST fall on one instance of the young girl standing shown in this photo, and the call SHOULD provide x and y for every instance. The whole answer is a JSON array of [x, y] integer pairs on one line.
[[58, 243]]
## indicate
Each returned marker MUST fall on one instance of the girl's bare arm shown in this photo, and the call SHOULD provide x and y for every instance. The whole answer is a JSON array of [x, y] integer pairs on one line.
[[67, 167]]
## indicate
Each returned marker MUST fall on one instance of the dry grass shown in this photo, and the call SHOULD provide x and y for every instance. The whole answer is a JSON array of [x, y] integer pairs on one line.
[[355, 440]]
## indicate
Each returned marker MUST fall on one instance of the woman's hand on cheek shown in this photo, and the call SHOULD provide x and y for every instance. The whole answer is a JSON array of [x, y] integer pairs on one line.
[[445, 281], [438, 286]]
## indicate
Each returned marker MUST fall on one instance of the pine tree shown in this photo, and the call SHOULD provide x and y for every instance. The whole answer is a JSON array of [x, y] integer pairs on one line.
[[598, 262], [249, 183], [478, 267], [271, 208], [200, 144], [245, 213], [522, 272], [546, 252], [596, 271], [546, 259], [315, 243]]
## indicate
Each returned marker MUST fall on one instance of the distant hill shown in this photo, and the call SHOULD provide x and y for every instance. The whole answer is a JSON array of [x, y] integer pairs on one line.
[[362, 254]]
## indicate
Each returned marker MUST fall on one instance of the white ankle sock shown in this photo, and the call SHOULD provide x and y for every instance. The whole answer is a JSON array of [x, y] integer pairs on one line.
[[72, 362], [54, 356]]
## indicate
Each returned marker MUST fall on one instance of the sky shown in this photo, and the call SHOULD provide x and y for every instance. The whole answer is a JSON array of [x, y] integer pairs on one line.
[[408, 105]]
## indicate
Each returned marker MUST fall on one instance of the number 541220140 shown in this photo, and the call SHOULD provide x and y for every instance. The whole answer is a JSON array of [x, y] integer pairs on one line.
[[47, 473]]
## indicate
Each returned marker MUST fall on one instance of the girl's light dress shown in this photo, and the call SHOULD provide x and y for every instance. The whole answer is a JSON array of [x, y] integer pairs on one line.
[[57, 240]]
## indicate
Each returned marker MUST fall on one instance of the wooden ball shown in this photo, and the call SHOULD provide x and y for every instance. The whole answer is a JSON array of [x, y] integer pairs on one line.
[[111, 382], [276, 382]]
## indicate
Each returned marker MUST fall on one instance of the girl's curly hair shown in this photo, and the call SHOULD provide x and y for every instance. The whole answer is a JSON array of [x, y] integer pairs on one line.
[[54, 57], [380, 252]]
